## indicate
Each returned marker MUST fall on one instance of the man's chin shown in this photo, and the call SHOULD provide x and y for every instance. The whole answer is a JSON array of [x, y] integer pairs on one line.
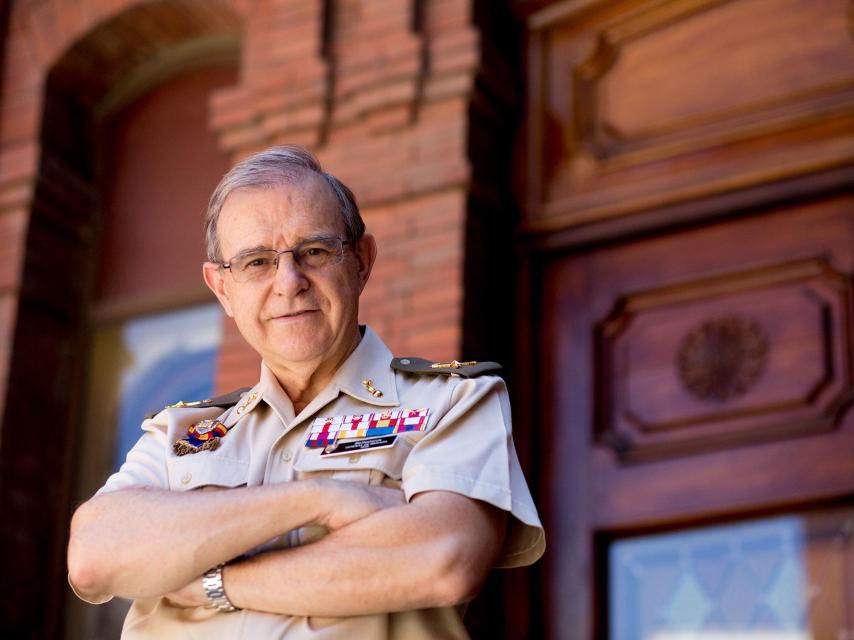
[[302, 342], [298, 347]]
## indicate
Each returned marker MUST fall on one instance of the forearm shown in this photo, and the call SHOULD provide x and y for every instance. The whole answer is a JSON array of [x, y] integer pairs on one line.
[[433, 552], [146, 542]]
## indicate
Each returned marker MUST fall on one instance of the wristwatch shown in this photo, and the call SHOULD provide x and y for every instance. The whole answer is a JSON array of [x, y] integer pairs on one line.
[[214, 590]]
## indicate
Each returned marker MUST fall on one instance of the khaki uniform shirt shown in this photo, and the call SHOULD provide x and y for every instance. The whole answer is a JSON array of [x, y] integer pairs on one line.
[[467, 448]]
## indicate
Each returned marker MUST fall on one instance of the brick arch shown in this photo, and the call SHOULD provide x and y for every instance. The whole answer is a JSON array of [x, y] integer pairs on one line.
[[63, 75], [142, 44], [57, 27], [44, 35]]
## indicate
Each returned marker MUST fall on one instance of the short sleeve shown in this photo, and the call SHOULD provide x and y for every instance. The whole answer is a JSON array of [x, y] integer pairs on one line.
[[145, 463], [470, 451]]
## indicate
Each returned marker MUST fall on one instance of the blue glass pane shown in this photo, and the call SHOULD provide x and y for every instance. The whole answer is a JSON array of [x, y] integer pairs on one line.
[[170, 357], [724, 583]]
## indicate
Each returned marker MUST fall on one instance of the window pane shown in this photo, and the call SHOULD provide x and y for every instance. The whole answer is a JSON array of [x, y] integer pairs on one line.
[[147, 363], [172, 358], [785, 578]]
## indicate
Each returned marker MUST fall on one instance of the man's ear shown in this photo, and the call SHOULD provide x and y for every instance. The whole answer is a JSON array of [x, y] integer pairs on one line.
[[366, 253], [214, 278]]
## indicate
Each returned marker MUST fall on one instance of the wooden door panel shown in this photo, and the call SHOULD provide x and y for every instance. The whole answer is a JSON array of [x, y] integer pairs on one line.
[[641, 104], [731, 359], [648, 81], [778, 475], [634, 442], [685, 374]]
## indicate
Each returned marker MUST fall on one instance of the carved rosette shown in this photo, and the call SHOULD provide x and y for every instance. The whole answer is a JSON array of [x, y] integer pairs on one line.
[[722, 358]]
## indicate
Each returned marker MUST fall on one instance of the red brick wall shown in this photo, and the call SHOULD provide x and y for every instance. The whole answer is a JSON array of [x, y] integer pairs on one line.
[[379, 92]]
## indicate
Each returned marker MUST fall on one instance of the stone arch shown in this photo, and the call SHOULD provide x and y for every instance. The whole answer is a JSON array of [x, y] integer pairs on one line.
[[88, 68]]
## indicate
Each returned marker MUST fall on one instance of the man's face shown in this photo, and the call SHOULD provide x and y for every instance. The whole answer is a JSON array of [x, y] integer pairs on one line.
[[298, 316]]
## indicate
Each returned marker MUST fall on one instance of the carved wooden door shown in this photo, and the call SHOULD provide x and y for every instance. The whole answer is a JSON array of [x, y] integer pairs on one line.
[[686, 383], [689, 227]]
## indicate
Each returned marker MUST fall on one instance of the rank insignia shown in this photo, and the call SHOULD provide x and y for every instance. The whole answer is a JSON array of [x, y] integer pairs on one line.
[[204, 435], [468, 369], [327, 431]]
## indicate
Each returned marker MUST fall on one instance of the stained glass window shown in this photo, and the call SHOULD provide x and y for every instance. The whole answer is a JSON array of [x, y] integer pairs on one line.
[[783, 578]]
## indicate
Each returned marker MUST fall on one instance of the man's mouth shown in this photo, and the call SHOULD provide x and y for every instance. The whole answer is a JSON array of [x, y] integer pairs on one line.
[[293, 314]]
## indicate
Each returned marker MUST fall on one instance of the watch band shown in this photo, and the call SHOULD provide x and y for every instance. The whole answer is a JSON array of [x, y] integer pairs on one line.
[[215, 591]]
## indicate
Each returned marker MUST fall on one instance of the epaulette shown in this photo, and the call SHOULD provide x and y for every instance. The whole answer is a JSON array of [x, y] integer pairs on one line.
[[453, 368], [224, 401]]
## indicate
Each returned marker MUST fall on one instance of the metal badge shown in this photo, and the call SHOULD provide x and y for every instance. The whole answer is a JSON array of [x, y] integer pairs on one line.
[[202, 436]]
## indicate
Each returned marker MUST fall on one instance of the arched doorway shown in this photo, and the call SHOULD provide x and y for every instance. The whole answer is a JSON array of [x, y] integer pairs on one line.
[[76, 253]]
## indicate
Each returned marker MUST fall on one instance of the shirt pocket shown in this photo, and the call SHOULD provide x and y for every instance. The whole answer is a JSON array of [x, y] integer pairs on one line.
[[206, 471], [372, 466]]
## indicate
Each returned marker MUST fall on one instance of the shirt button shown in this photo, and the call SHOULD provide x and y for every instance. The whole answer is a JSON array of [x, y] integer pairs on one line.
[[287, 455], [186, 478]]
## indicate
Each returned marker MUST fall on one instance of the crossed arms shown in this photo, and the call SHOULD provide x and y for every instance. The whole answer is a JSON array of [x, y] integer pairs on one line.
[[382, 554]]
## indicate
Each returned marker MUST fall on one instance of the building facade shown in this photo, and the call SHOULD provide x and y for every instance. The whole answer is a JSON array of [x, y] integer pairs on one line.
[[642, 207]]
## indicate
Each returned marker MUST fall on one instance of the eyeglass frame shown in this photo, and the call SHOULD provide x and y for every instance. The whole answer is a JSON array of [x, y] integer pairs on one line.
[[292, 251]]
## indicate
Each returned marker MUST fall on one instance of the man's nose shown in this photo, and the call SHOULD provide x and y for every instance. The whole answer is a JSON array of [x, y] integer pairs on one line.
[[289, 278]]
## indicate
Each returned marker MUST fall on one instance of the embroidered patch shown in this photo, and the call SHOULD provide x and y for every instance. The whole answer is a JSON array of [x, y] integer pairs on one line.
[[325, 431]]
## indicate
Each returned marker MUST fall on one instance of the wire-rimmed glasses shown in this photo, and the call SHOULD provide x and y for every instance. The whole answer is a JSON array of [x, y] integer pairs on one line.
[[261, 264]]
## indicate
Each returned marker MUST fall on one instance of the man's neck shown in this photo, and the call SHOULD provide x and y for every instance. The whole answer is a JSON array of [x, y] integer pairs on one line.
[[303, 381]]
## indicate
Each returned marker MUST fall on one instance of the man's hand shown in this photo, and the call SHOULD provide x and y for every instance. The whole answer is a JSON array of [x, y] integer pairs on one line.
[[111, 542], [434, 551], [345, 502], [190, 595]]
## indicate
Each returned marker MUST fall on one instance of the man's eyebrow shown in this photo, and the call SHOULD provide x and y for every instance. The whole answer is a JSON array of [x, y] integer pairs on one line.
[[323, 236], [260, 247], [254, 249]]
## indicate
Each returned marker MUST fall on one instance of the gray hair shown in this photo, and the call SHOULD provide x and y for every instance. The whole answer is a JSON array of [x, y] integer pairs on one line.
[[284, 164]]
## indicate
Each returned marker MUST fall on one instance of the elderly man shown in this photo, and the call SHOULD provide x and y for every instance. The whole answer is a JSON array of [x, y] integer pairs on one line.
[[348, 494]]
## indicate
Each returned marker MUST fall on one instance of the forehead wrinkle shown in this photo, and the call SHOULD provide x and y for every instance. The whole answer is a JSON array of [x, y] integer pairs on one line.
[[298, 211]]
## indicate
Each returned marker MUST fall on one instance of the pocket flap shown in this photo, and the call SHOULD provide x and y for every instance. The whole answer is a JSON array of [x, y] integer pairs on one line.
[[201, 469], [389, 460]]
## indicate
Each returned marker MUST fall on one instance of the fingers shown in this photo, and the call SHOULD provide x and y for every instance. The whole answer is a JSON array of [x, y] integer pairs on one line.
[[346, 502]]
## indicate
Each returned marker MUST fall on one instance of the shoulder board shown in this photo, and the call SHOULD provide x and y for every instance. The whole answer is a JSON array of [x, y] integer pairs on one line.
[[453, 368], [224, 401]]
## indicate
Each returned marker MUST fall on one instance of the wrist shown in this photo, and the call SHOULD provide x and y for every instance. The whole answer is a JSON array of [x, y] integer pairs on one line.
[[214, 588], [311, 499]]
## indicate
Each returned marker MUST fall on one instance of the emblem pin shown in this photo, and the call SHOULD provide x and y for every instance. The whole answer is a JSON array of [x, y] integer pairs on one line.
[[369, 385], [453, 364]]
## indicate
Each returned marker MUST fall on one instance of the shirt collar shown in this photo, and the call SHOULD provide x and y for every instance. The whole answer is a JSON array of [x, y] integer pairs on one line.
[[274, 395], [368, 367]]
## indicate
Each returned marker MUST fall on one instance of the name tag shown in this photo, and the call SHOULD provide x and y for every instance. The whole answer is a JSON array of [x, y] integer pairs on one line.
[[356, 446]]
